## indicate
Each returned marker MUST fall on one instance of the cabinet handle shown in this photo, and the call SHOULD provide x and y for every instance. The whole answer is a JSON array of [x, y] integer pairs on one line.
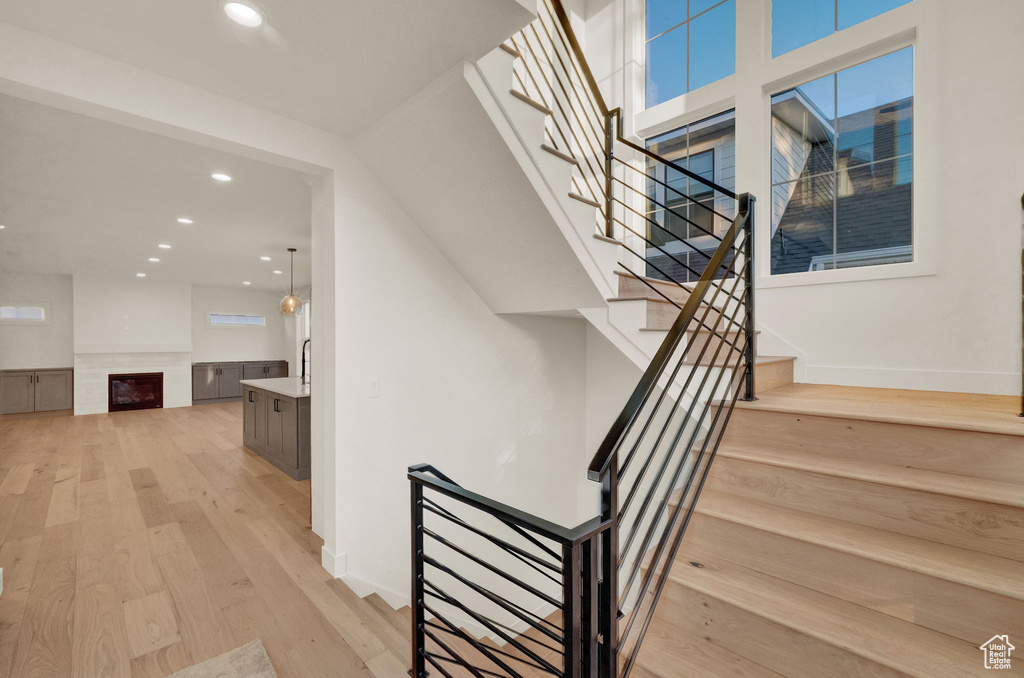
[[250, 396], [276, 403]]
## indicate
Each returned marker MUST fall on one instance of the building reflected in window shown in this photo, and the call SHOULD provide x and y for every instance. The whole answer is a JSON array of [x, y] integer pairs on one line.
[[684, 214], [842, 172]]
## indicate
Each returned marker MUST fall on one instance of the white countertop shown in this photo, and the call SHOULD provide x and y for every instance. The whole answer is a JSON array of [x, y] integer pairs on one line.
[[291, 387]]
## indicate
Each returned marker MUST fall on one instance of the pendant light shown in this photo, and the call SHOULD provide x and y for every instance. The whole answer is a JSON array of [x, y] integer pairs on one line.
[[291, 305]]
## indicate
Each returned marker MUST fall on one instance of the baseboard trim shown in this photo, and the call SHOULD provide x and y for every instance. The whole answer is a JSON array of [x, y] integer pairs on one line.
[[333, 563], [993, 383]]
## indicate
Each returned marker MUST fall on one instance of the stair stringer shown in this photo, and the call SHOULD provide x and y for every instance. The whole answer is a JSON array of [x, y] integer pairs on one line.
[[522, 125]]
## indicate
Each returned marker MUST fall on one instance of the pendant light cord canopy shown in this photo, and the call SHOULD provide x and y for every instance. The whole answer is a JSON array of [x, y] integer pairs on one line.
[[291, 305]]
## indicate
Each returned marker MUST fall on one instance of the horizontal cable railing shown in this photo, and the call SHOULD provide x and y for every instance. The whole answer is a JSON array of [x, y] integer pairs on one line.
[[500, 593]]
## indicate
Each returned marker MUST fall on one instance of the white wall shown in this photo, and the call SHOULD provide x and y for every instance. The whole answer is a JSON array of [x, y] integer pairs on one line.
[[950, 320], [211, 343], [138, 317], [497, 402], [36, 346]]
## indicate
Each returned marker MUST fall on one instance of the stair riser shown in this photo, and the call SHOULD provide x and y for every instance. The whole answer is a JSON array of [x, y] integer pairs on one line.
[[955, 609], [772, 375], [724, 343], [661, 315], [777, 647], [968, 453], [979, 526], [631, 287]]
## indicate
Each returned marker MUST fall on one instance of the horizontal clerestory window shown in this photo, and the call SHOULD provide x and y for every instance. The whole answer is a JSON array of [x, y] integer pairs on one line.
[[26, 314], [236, 320]]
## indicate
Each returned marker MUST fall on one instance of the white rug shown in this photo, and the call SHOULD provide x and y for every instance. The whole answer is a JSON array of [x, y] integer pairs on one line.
[[248, 661]]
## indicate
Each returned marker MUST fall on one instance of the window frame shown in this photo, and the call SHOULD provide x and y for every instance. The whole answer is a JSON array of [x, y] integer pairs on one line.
[[234, 326], [749, 92], [836, 273], [641, 35], [835, 26]]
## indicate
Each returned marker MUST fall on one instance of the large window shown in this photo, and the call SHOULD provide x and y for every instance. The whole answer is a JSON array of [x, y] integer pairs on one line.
[[690, 43], [796, 23], [842, 170], [684, 214]]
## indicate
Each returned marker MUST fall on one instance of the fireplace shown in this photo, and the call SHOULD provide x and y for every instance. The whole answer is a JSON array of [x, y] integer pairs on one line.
[[135, 391]]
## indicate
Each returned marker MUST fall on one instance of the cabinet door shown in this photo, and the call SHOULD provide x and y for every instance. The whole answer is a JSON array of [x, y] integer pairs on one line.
[[204, 382], [17, 392], [53, 390], [252, 370], [260, 418], [277, 369], [249, 412], [289, 451], [227, 381]]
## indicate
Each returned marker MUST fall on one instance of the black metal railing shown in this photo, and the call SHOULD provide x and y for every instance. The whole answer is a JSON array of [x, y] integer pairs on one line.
[[496, 591], [542, 599]]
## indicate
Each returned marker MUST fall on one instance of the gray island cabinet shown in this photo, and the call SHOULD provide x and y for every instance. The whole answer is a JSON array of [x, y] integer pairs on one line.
[[275, 422]]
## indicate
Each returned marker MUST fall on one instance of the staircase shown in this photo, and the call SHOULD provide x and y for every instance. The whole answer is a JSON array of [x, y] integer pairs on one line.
[[853, 532], [839, 532]]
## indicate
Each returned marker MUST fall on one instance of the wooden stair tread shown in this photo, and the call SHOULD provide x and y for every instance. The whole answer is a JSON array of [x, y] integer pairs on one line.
[[654, 281], [965, 411], [723, 358], [528, 100], [559, 154], [990, 573], [670, 651], [992, 491], [604, 238], [511, 50], [875, 636], [583, 199], [400, 619]]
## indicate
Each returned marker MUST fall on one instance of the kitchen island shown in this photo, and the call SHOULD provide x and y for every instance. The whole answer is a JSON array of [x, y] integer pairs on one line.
[[275, 422]]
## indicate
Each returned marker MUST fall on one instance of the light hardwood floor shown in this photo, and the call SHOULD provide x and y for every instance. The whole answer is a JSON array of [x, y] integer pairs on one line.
[[139, 543]]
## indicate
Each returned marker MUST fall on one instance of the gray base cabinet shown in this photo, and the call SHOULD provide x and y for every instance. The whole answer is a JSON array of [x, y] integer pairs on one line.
[[36, 390], [219, 382], [276, 427]]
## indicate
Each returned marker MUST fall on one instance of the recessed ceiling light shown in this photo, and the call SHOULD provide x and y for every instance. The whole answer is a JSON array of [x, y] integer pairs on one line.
[[244, 14], [140, 275], [220, 177], [277, 272], [183, 220], [264, 258], [154, 259], [2, 227], [247, 283], [164, 247]]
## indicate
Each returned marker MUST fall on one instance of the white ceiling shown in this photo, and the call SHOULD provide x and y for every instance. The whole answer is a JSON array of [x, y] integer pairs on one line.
[[80, 195], [335, 64]]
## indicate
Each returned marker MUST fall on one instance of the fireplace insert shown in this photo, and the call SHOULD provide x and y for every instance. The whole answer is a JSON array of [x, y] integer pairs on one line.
[[135, 391]]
